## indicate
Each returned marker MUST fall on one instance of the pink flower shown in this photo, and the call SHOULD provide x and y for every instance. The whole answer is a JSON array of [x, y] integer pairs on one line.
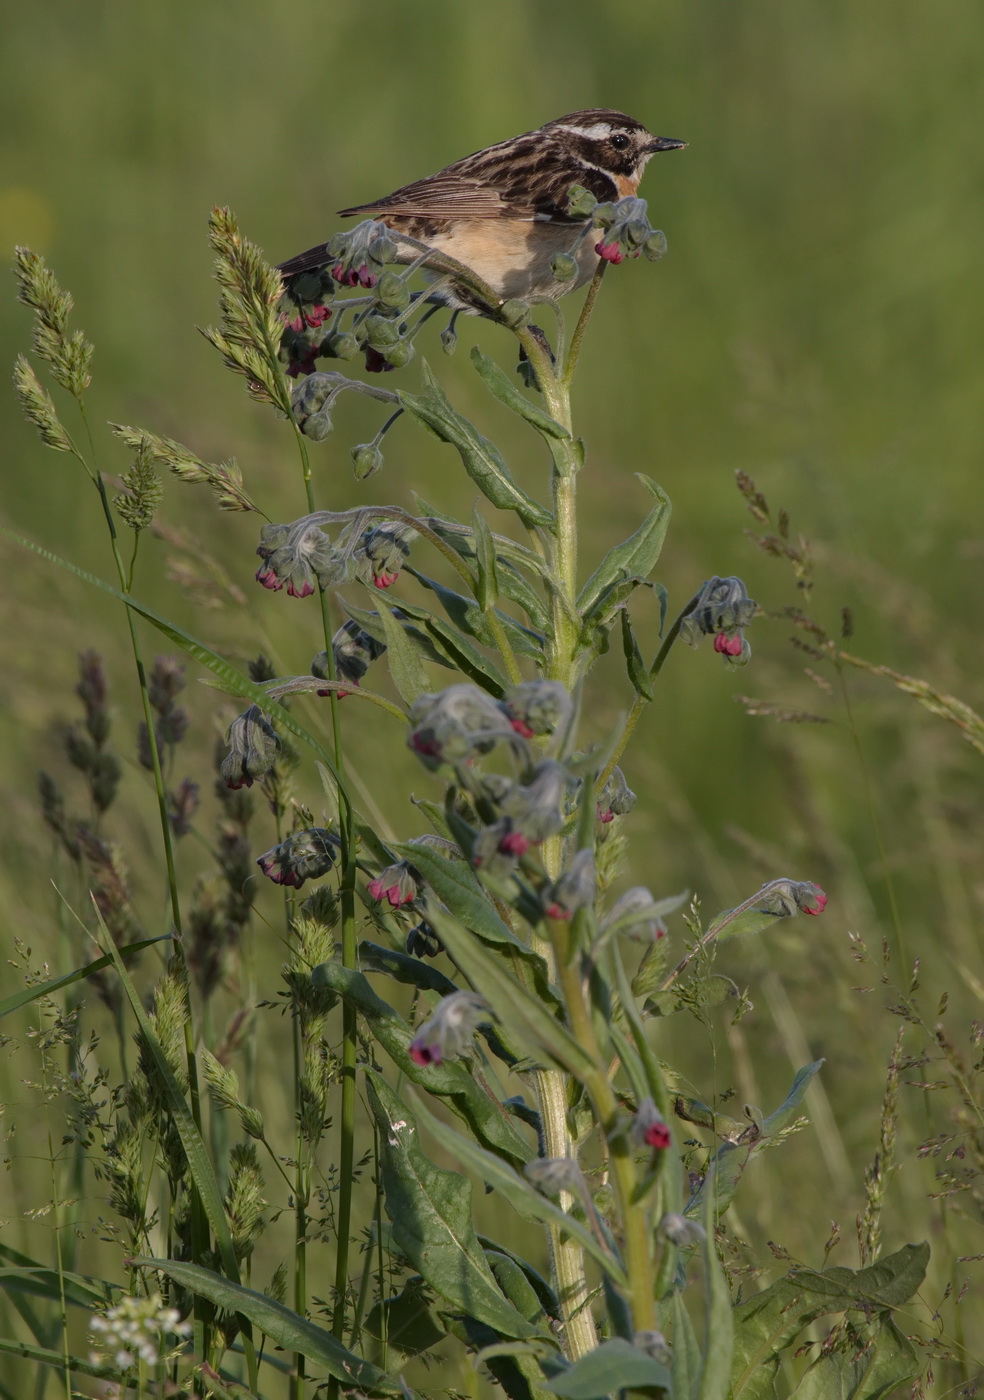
[[608, 252], [727, 646], [423, 1054], [376, 363], [522, 728], [514, 843], [657, 1135], [316, 316], [269, 579], [385, 580], [301, 590], [821, 902], [605, 815], [557, 911], [396, 884], [303, 364]]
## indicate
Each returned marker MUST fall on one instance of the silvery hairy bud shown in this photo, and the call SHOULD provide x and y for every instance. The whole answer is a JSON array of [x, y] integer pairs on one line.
[[536, 808], [253, 746], [617, 798], [366, 460], [454, 724], [573, 889], [563, 267], [393, 292], [786, 897], [680, 1231], [537, 707], [449, 1031]]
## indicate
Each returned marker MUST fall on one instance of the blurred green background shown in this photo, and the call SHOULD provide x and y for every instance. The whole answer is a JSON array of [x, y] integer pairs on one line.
[[817, 323]]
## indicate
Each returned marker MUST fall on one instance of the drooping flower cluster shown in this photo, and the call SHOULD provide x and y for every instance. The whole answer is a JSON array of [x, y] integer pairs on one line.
[[253, 748], [136, 1329], [785, 897], [462, 721], [353, 650], [305, 855], [298, 555], [723, 610]]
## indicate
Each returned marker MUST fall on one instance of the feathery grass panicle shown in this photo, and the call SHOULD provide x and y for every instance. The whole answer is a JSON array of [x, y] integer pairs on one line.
[[937, 702], [69, 356], [142, 492], [249, 336], [882, 1164], [224, 479], [38, 407], [244, 1200]]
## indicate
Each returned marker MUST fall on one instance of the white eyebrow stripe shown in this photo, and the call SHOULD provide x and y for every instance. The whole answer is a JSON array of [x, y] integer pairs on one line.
[[598, 130]]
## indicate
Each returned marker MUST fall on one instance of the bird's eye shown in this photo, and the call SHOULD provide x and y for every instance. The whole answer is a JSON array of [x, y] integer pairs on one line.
[[620, 142]]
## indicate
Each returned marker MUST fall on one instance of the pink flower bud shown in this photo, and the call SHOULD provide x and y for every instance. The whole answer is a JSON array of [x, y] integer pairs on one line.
[[609, 252]]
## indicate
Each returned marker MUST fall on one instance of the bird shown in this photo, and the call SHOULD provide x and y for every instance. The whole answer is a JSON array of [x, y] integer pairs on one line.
[[503, 211]]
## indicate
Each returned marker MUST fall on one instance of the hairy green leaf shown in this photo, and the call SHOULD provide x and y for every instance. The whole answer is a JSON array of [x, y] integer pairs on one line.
[[430, 1210], [637, 669], [886, 1361], [613, 1366], [402, 657], [501, 387], [771, 1321], [520, 1193], [482, 460], [635, 557]]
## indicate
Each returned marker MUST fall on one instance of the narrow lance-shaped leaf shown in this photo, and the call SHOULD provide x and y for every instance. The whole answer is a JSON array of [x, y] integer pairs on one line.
[[501, 387], [482, 460], [471, 619], [719, 1336], [287, 1328], [430, 1210], [637, 556], [520, 1193], [55, 984], [488, 581], [637, 669], [402, 657]]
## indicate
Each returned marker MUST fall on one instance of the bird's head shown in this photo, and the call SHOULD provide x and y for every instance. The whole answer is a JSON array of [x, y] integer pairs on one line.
[[610, 141]]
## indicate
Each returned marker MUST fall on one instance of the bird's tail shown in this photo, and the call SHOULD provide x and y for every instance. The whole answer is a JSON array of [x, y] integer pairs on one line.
[[305, 262]]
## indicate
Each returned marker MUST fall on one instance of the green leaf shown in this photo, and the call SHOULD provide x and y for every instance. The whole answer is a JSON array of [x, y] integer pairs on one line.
[[771, 1321], [409, 1322], [695, 996], [54, 984], [510, 559], [522, 1013], [719, 1338], [635, 557], [501, 387], [731, 1159], [287, 1329], [453, 647], [487, 593], [430, 1209], [482, 460], [637, 669], [413, 972], [46, 1357], [449, 1080], [512, 1279], [84, 1292], [468, 617], [887, 1360], [521, 1195], [615, 1365], [685, 1361], [402, 657], [456, 885]]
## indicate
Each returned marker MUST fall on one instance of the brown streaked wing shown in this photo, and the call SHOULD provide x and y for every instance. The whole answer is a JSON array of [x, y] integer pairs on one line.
[[443, 196]]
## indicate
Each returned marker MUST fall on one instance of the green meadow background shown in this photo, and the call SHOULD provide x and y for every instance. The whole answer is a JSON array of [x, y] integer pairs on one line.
[[817, 323]]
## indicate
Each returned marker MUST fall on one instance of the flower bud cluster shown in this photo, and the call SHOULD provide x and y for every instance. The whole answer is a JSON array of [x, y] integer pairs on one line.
[[305, 320], [461, 721], [626, 230], [305, 855], [723, 610], [87, 743], [353, 650], [253, 748], [449, 1031], [617, 798], [787, 897], [164, 685], [294, 556], [382, 551]]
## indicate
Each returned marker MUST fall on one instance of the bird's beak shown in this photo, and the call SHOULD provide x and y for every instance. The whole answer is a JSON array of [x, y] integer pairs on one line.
[[664, 143]]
